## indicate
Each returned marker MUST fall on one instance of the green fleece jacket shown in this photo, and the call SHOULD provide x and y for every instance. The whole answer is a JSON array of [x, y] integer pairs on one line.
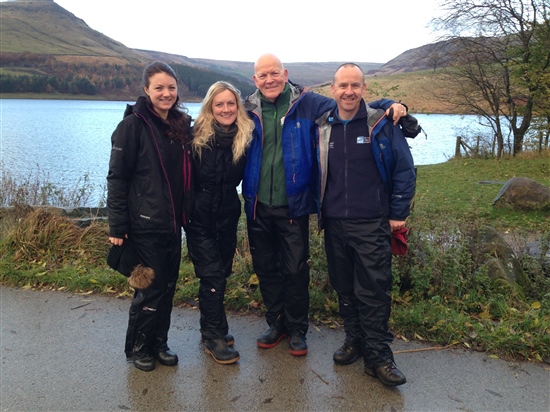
[[272, 189]]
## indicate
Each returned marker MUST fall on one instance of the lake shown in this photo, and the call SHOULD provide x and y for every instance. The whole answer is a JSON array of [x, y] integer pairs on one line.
[[64, 140]]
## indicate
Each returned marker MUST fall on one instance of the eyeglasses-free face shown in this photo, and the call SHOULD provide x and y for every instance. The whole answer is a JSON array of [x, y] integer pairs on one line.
[[224, 108], [163, 92], [347, 89], [270, 77]]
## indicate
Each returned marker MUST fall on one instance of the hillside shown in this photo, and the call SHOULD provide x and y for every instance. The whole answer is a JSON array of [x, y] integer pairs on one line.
[[422, 91], [40, 38], [44, 28], [59, 53], [428, 57]]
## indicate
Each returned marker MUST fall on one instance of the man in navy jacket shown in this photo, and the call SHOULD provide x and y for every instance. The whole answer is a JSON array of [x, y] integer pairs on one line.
[[367, 184]]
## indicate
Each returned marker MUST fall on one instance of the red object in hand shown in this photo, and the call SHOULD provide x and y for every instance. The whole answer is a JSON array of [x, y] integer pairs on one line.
[[399, 241]]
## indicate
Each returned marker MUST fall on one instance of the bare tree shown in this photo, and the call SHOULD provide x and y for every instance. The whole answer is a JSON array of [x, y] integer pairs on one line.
[[501, 70]]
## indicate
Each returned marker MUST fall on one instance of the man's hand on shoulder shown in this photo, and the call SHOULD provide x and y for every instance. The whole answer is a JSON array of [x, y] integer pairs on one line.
[[396, 112]]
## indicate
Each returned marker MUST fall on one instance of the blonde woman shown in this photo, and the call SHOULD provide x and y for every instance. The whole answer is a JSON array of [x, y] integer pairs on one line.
[[222, 133]]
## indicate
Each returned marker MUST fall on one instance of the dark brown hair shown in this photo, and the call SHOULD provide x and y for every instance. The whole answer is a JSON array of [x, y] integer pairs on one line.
[[178, 119]]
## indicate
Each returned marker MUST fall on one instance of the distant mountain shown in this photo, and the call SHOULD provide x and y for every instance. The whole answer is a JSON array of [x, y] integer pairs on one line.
[[45, 28], [429, 57], [307, 74], [59, 52]]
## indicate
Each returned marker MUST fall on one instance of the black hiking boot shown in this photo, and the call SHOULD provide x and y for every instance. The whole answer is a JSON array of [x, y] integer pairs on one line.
[[297, 343], [348, 353], [272, 337], [387, 372]]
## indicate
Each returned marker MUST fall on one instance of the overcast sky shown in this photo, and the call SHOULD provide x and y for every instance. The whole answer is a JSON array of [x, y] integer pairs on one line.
[[242, 30]]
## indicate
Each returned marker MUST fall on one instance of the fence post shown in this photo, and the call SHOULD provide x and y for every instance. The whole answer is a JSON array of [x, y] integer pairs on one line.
[[458, 155]]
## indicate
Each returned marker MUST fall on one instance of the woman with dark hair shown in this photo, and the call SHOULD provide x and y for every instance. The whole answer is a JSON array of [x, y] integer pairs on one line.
[[148, 201], [222, 133]]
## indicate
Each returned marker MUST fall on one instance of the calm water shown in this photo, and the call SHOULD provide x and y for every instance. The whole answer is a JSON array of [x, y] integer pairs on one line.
[[64, 140]]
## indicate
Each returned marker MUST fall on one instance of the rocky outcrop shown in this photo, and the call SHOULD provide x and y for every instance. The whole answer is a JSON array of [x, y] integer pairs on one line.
[[523, 194], [489, 248]]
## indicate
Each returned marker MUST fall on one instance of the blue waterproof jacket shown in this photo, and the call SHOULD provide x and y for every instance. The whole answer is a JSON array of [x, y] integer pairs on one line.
[[299, 140]]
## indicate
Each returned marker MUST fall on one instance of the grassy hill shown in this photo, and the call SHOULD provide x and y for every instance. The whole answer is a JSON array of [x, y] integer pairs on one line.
[[422, 91], [40, 38], [63, 57], [58, 54], [44, 28]]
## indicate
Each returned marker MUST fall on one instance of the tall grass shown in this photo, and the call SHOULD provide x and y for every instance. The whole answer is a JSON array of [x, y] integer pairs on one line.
[[36, 189]]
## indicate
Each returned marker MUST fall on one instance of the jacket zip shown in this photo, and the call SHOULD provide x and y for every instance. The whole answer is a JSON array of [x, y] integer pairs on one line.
[[163, 170], [346, 168], [276, 143]]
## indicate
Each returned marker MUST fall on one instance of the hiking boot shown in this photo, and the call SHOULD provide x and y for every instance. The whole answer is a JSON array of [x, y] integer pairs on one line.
[[220, 351], [271, 338], [387, 372], [297, 343], [144, 362], [348, 353], [167, 357]]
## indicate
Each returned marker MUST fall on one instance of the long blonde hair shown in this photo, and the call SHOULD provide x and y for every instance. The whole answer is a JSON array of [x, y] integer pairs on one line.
[[204, 125]]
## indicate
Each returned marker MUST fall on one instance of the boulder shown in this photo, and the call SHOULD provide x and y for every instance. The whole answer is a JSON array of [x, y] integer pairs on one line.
[[491, 249], [523, 194]]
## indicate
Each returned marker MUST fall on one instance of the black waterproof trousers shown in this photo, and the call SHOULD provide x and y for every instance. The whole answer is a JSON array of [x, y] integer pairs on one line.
[[212, 253], [359, 264], [151, 308], [280, 251]]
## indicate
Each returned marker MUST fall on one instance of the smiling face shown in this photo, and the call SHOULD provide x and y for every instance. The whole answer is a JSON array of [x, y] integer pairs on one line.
[[224, 108], [270, 76], [347, 89], [162, 91]]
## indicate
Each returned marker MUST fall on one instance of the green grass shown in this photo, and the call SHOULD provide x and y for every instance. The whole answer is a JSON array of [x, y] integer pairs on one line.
[[441, 294], [455, 187]]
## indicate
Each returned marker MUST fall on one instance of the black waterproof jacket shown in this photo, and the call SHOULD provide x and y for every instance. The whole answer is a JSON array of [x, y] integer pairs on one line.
[[216, 179], [140, 197]]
